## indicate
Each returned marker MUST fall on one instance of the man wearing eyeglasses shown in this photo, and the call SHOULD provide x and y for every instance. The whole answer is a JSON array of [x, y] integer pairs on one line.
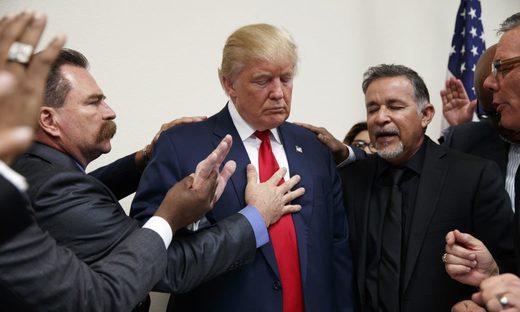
[[503, 291]]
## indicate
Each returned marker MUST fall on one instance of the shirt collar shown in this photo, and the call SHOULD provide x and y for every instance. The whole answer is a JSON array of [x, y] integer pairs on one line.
[[415, 163], [245, 131]]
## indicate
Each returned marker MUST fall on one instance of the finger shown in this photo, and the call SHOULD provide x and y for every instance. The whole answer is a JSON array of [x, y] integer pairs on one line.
[[213, 161], [450, 238], [291, 209], [457, 270], [277, 176], [31, 36], [461, 251], [12, 30], [42, 61], [210, 185], [290, 196], [14, 142], [223, 149], [472, 105], [204, 167], [309, 127], [289, 184], [228, 170], [467, 239], [452, 259], [181, 121], [252, 176], [477, 298]]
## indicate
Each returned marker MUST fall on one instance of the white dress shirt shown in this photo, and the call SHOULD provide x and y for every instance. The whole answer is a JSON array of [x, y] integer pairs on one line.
[[252, 143], [156, 224]]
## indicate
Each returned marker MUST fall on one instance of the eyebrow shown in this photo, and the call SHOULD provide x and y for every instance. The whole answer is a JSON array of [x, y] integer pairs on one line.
[[99, 96]]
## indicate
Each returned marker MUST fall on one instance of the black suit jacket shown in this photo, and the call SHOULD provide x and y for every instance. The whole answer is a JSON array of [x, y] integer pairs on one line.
[[83, 214], [36, 274], [455, 191], [480, 139]]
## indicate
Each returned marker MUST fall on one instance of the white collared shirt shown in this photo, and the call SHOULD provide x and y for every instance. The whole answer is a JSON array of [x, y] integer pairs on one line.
[[512, 165], [252, 143]]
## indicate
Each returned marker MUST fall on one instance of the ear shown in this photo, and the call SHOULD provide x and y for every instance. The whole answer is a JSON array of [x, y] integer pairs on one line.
[[48, 121], [229, 87], [427, 115]]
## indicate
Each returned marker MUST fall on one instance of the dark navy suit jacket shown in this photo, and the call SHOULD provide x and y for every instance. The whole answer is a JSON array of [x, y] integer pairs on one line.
[[321, 226]]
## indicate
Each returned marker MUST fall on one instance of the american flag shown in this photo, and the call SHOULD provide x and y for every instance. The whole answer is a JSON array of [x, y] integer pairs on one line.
[[467, 44]]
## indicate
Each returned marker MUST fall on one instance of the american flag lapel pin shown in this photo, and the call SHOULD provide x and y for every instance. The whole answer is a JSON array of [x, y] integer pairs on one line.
[[299, 149]]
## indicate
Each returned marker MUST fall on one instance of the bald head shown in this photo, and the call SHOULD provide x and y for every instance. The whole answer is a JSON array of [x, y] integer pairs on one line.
[[483, 69]]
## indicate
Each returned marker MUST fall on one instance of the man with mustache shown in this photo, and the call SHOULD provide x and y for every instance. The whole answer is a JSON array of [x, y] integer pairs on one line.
[[402, 202], [81, 211]]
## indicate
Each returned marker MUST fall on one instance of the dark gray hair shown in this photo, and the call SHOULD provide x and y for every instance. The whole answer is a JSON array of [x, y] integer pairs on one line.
[[511, 22], [57, 87], [421, 94]]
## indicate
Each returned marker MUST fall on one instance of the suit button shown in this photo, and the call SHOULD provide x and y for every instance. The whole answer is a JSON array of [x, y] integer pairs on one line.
[[277, 285]]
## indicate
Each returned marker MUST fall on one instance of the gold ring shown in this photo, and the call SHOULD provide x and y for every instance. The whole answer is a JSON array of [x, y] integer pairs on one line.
[[444, 258]]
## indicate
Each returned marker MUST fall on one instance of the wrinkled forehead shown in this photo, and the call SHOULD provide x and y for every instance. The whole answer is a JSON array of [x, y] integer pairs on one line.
[[509, 44]]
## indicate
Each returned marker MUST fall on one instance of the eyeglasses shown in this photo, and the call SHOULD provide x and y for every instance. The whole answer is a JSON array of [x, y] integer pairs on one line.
[[364, 146], [501, 65]]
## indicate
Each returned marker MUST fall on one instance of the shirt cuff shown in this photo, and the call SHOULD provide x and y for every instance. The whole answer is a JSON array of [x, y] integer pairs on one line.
[[13, 177], [161, 227], [257, 223], [350, 159]]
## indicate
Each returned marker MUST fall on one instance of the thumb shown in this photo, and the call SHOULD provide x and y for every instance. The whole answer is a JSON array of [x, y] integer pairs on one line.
[[472, 105], [14, 141], [466, 239], [252, 176]]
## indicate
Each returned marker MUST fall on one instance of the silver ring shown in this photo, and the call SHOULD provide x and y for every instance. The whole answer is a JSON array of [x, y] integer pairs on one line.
[[504, 302], [20, 52], [444, 258]]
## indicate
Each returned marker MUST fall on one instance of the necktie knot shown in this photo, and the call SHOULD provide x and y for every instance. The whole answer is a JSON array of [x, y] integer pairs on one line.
[[396, 175], [263, 135]]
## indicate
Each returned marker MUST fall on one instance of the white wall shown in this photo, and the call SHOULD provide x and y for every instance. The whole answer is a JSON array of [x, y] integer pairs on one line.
[[157, 60]]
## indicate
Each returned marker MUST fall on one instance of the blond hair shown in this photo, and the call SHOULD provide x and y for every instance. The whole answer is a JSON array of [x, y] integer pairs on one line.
[[256, 42]]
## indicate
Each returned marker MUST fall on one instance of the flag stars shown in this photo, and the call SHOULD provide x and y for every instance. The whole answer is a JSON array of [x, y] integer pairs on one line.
[[474, 51], [473, 68], [463, 50], [472, 13], [462, 67], [452, 50], [473, 32]]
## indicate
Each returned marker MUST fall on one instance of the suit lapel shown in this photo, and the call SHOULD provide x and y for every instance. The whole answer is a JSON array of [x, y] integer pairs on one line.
[[297, 160], [430, 185]]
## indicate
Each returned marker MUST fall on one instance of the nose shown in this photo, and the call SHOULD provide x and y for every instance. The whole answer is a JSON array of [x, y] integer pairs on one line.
[[491, 83], [382, 116], [276, 92], [108, 113]]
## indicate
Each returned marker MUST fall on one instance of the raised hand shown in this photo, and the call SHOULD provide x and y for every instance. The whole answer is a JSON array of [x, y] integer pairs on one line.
[[456, 106]]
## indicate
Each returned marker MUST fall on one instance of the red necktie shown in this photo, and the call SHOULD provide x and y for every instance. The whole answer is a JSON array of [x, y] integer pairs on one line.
[[282, 234]]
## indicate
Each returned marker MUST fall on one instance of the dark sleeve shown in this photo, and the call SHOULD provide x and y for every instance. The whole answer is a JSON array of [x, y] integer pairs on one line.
[[121, 176], [494, 218], [203, 255], [342, 255], [37, 274]]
